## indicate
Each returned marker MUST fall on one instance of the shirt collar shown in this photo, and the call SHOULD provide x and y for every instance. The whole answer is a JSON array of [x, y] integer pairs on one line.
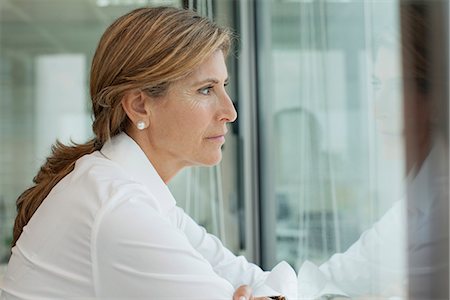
[[123, 150]]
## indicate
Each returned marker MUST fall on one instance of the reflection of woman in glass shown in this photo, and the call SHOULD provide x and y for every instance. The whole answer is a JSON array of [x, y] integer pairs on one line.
[[100, 221], [390, 109], [385, 257]]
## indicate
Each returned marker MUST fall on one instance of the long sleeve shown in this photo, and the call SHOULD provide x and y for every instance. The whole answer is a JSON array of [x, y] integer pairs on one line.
[[145, 246], [373, 265], [376, 262], [140, 254], [236, 269]]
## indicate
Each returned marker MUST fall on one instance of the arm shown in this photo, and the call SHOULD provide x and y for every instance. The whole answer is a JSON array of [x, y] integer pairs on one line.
[[375, 263], [139, 253], [236, 269]]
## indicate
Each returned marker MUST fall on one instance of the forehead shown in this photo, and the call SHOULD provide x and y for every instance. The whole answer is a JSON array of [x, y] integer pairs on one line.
[[387, 63], [212, 68]]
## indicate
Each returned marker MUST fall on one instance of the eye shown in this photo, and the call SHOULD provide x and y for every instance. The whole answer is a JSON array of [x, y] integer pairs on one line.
[[205, 91], [376, 84]]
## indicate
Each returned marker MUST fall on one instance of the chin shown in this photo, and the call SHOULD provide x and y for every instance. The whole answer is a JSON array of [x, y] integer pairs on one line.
[[212, 160]]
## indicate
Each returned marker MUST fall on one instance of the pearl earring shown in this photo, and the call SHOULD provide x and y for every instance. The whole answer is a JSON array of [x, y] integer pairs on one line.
[[141, 125]]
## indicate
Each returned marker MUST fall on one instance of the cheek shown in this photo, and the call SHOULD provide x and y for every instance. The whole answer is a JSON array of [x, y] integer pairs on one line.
[[191, 124]]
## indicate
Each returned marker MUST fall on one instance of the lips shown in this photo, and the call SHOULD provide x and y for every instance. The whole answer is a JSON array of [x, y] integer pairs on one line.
[[217, 136]]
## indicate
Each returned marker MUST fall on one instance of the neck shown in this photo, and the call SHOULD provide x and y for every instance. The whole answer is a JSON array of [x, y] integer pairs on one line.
[[165, 166], [164, 170]]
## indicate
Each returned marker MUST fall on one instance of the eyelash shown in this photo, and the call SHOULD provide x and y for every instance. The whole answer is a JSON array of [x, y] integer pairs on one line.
[[376, 84], [208, 89]]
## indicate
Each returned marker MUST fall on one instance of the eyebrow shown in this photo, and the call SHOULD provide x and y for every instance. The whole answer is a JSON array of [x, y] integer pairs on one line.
[[210, 80]]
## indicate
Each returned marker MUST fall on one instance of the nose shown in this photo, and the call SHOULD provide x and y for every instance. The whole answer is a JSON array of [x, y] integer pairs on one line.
[[228, 113]]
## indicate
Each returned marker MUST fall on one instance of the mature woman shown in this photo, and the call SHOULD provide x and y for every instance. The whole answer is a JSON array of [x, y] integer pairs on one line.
[[100, 221]]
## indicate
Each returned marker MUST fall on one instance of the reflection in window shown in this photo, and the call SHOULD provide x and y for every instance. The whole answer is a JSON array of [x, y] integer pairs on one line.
[[329, 174]]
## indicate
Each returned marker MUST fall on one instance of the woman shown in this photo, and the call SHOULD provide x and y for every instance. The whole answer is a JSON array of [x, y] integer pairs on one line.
[[100, 221]]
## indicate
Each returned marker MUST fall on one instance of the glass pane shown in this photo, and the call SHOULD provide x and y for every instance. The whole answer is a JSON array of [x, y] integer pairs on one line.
[[332, 143]]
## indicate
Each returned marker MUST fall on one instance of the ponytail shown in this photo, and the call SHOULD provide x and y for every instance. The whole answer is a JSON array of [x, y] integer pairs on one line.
[[60, 163]]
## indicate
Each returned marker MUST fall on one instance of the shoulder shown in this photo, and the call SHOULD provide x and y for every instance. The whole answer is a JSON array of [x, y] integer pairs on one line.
[[98, 166], [105, 181]]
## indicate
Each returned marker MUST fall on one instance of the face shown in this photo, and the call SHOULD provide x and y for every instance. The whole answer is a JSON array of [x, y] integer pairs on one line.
[[388, 87], [391, 111], [189, 123], [388, 93]]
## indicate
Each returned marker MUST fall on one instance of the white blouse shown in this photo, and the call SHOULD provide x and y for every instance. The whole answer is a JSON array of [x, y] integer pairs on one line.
[[111, 229]]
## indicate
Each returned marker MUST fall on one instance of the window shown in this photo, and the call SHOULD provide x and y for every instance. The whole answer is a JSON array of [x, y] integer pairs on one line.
[[339, 137]]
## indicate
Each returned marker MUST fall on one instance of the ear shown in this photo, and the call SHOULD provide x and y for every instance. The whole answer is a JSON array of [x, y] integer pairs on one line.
[[136, 105]]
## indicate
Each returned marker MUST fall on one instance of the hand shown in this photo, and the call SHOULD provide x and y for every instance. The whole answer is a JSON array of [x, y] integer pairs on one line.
[[245, 292]]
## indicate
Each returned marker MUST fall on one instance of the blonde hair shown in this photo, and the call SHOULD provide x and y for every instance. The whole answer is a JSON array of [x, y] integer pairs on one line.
[[146, 49]]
